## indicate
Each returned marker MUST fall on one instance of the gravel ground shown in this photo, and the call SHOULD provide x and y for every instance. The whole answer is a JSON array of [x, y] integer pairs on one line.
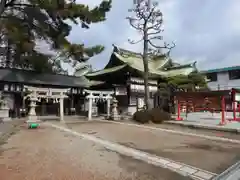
[[205, 154], [49, 154], [9, 128]]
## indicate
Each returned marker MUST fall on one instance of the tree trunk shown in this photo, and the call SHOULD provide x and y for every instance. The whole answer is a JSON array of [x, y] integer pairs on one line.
[[146, 70], [2, 6]]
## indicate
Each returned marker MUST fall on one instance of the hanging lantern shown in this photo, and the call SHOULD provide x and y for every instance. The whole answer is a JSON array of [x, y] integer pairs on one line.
[[12, 87], [6, 87], [17, 88]]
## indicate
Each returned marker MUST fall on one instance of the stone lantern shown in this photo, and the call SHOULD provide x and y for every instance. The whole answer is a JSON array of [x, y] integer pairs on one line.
[[115, 115], [4, 109]]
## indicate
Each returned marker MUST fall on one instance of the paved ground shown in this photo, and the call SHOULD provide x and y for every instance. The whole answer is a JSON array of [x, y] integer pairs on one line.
[[47, 153], [205, 154], [8, 128], [207, 132], [189, 129], [209, 119]]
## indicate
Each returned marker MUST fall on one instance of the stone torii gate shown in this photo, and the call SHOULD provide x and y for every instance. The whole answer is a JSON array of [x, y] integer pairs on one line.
[[49, 93], [92, 95]]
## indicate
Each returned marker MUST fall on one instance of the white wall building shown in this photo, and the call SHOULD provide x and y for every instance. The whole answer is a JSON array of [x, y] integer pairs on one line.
[[223, 78]]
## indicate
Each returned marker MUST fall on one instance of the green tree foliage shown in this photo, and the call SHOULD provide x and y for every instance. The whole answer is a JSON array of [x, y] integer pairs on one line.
[[192, 82], [22, 24]]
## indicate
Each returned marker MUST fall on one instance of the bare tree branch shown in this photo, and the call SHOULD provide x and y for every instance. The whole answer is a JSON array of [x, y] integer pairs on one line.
[[137, 26], [135, 42], [2, 6], [155, 37], [151, 13], [165, 46], [155, 26], [156, 32]]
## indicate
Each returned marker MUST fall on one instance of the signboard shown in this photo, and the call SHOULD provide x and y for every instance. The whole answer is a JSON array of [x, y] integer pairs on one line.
[[237, 97], [121, 91], [140, 88], [140, 103], [141, 81]]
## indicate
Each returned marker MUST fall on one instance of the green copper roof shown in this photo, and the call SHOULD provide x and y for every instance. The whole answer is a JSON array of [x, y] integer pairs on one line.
[[105, 71], [221, 69], [158, 65], [95, 83]]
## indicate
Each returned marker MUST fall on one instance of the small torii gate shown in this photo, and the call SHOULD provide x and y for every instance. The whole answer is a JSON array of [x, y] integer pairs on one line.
[[48, 93], [92, 95]]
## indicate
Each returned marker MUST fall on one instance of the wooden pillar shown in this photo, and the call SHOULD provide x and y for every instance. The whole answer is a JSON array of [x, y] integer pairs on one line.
[[223, 121], [234, 110], [178, 112]]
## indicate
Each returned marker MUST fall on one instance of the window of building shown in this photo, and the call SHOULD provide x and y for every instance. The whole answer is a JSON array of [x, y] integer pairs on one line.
[[234, 74], [212, 77]]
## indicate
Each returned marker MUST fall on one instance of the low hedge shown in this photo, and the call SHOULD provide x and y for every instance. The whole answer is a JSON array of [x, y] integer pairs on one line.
[[142, 116], [158, 115], [155, 115]]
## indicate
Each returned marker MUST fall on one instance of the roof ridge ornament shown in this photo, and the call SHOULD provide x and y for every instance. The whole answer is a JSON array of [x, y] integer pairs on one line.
[[126, 53]]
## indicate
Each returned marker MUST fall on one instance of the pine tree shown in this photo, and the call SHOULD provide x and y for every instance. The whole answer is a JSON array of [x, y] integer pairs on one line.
[[22, 24], [147, 20]]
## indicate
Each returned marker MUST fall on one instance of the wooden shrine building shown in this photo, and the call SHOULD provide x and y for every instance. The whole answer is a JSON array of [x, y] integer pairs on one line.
[[16, 85], [123, 74], [211, 101]]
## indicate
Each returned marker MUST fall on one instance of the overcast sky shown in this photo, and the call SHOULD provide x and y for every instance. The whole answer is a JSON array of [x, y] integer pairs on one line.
[[206, 31]]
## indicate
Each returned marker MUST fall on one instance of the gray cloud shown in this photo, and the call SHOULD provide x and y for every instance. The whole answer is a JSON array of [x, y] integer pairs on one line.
[[204, 30]]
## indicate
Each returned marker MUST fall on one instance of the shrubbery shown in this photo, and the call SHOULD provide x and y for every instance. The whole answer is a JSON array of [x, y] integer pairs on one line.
[[142, 116], [156, 115]]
